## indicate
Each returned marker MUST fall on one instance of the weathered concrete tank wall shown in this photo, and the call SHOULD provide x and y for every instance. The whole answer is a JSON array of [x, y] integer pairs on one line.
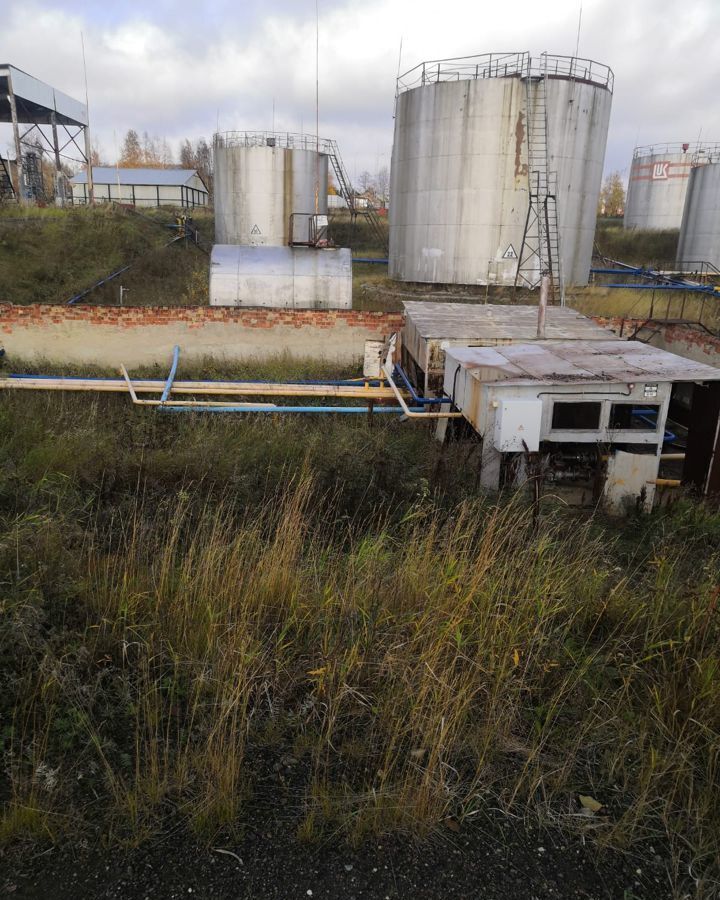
[[259, 191], [459, 180], [657, 187], [700, 229]]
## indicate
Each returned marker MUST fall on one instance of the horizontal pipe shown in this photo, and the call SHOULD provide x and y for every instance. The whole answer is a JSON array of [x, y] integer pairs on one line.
[[370, 259], [665, 482], [694, 288], [292, 409], [229, 388]]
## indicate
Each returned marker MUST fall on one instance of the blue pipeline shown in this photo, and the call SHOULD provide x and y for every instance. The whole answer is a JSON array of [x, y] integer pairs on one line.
[[398, 410], [171, 376], [417, 399], [97, 284], [649, 416], [370, 259], [675, 286], [110, 277]]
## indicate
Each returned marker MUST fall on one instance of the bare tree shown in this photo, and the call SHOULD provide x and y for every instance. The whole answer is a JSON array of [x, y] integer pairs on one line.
[[382, 181]]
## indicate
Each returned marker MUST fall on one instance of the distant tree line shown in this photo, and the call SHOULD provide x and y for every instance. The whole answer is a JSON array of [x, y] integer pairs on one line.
[[151, 152]]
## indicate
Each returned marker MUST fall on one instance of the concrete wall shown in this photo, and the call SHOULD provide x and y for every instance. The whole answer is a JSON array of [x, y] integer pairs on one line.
[[110, 335]]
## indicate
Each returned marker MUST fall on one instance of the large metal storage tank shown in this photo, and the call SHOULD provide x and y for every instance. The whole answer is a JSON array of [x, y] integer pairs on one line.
[[266, 185], [657, 186], [460, 166], [700, 229]]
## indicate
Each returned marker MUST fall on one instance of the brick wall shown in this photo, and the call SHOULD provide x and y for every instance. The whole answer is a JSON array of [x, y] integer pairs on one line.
[[684, 340], [139, 335]]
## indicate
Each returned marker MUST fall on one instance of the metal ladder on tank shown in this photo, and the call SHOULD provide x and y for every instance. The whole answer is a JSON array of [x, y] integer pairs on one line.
[[540, 248], [7, 191], [348, 195]]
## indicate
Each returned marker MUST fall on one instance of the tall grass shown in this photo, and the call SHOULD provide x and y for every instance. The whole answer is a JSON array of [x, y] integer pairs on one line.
[[397, 675]]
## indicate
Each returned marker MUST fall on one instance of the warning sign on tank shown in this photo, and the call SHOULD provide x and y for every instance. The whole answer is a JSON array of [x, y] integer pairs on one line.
[[255, 230], [510, 253]]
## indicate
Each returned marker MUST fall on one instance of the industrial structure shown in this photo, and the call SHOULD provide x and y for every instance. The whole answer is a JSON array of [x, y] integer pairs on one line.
[[496, 169], [142, 187], [432, 328], [699, 243], [57, 124], [657, 186], [271, 223], [587, 416]]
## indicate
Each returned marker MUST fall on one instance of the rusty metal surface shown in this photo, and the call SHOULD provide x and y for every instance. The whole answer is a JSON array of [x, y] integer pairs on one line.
[[576, 362]]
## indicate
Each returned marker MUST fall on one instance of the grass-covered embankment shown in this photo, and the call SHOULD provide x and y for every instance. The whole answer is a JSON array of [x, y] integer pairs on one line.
[[50, 255]]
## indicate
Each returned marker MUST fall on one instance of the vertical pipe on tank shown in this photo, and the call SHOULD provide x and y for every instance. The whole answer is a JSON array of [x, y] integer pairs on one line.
[[542, 306]]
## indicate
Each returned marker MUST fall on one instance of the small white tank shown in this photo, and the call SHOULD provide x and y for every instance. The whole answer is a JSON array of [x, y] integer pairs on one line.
[[266, 187], [280, 277]]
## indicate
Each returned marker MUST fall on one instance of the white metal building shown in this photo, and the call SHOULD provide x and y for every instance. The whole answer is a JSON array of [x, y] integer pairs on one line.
[[142, 187]]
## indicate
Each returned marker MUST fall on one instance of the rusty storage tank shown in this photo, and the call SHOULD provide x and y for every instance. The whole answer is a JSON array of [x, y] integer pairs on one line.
[[462, 164], [657, 186], [700, 229], [266, 185]]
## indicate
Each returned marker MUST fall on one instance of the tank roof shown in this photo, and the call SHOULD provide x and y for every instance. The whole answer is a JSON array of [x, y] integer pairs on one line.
[[506, 65]]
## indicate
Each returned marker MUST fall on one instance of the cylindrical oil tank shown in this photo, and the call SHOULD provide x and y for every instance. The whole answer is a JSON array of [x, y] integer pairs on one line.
[[266, 187], [657, 185], [280, 277], [700, 229], [463, 162]]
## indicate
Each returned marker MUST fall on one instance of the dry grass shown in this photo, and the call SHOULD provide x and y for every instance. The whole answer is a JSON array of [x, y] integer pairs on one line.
[[415, 673]]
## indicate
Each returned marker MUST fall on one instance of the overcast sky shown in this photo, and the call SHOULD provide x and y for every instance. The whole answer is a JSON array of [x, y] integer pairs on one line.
[[178, 69]]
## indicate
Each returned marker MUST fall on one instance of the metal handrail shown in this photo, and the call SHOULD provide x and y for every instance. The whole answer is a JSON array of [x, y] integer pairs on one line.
[[506, 65], [285, 140], [691, 148]]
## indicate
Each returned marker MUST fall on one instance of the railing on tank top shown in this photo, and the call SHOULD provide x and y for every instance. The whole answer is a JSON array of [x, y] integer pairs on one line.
[[285, 140], [506, 65], [700, 149]]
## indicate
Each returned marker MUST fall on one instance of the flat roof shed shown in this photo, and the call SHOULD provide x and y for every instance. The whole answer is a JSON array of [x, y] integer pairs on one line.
[[429, 327]]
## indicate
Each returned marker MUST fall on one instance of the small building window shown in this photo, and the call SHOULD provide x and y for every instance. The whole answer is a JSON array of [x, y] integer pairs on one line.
[[583, 416], [634, 417]]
